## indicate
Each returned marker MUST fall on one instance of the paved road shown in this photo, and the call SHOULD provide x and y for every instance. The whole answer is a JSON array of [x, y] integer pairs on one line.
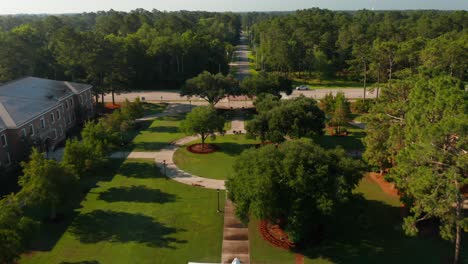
[[174, 96], [241, 63]]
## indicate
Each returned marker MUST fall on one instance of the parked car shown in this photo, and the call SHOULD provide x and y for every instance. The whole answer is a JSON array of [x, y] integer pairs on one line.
[[302, 88]]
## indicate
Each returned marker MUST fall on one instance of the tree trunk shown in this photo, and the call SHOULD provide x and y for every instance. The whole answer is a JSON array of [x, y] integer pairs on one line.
[[365, 80], [53, 212], [459, 217], [102, 98], [202, 142], [182, 60], [113, 95]]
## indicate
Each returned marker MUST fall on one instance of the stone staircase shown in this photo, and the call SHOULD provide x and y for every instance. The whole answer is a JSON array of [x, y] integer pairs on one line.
[[235, 237]]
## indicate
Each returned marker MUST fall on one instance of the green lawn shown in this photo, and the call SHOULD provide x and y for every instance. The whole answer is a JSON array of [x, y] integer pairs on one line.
[[366, 230], [137, 216], [337, 82], [216, 165], [152, 109], [158, 134], [351, 142]]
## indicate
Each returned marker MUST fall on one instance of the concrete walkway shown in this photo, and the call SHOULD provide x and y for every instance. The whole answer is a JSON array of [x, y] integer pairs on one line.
[[235, 237]]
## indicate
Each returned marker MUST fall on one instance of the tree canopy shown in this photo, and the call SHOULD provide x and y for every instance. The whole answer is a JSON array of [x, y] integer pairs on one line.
[[295, 118], [418, 128], [211, 87], [47, 183], [298, 182], [203, 121], [264, 82], [115, 50]]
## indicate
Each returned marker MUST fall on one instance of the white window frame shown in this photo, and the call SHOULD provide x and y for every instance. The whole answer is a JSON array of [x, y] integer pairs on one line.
[[24, 133], [4, 138], [61, 130], [54, 132], [52, 117], [58, 114], [66, 104], [32, 129], [43, 124], [81, 99], [71, 102]]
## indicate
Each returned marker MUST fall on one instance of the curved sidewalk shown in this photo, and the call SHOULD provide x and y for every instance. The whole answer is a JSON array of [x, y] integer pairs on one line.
[[172, 171]]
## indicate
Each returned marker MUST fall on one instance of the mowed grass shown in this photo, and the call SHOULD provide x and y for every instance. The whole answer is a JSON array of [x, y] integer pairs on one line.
[[152, 109], [365, 230], [351, 142], [138, 216], [158, 134], [217, 165], [337, 82]]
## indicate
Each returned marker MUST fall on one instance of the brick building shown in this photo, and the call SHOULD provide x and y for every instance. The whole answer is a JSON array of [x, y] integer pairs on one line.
[[39, 112]]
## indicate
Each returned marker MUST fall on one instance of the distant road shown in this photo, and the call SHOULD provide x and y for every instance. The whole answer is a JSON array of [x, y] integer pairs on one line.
[[165, 96], [241, 61]]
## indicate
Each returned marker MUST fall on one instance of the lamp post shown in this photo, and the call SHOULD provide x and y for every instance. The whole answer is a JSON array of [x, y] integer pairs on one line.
[[217, 190], [161, 98]]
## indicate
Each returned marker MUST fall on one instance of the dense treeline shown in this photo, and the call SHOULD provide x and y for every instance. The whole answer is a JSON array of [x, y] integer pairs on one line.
[[369, 45], [115, 50]]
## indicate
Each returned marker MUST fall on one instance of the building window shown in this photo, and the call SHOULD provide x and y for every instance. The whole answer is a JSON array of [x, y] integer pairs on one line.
[[58, 114], [68, 119], [52, 117], [4, 141], [71, 102], [31, 130], [61, 130], [54, 133], [8, 161], [81, 98], [23, 132], [66, 104], [42, 123]]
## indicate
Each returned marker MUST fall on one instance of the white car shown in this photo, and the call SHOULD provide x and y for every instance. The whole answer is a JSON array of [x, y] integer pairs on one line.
[[302, 88]]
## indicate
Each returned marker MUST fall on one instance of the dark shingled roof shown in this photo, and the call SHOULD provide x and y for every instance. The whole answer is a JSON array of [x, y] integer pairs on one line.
[[27, 98]]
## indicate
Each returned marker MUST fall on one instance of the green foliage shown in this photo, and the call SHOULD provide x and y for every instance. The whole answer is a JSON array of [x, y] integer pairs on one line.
[[133, 110], [342, 112], [265, 102], [81, 155], [296, 118], [298, 182], [266, 83], [384, 124], [422, 128], [116, 50], [211, 87], [47, 183], [362, 106], [365, 45], [327, 103], [16, 229], [203, 121]]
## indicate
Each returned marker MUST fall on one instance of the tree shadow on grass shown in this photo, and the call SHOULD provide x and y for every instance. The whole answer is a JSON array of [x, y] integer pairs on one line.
[[139, 194], [232, 149], [50, 232], [367, 231], [81, 262], [141, 170], [149, 146], [121, 227], [163, 129]]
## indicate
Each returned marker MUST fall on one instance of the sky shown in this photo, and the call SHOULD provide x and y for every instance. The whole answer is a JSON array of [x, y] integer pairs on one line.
[[78, 6]]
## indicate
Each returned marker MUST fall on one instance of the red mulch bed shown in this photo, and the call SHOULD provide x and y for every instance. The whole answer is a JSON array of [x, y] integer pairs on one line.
[[273, 234], [207, 148], [112, 106]]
